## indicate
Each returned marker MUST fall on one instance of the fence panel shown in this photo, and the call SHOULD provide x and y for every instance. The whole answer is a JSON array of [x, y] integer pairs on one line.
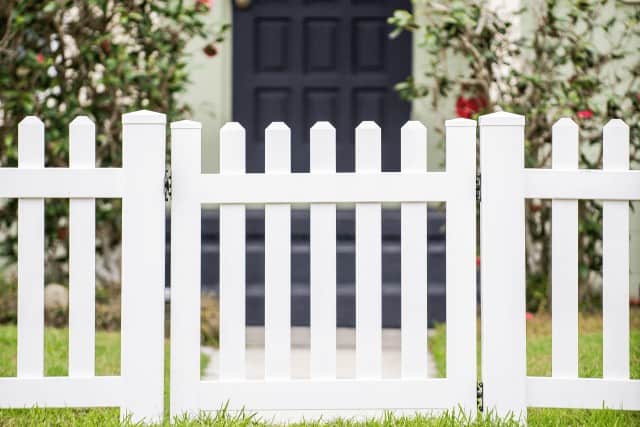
[[138, 391], [505, 186], [321, 393]]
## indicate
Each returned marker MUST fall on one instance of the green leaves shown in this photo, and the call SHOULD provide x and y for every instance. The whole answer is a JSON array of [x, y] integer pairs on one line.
[[109, 57]]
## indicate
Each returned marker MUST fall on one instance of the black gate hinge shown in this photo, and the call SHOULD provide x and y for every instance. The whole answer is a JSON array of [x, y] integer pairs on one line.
[[480, 396], [478, 187], [167, 185]]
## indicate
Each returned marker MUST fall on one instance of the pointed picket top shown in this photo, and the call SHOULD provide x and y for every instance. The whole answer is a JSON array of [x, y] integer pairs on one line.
[[322, 125], [186, 124], [502, 118], [565, 122], [277, 126], [82, 121], [616, 123], [368, 125], [31, 121], [460, 122], [143, 117], [413, 125]]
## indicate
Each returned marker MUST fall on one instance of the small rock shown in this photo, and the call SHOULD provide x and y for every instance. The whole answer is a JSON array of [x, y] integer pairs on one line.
[[56, 297]]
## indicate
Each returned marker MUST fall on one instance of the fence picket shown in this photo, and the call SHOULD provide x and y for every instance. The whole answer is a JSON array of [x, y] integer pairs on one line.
[[323, 258], [413, 259], [82, 249], [185, 265], [564, 258], [277, 259], [232, 260], [615, 259], [30, 358], [368, 260]]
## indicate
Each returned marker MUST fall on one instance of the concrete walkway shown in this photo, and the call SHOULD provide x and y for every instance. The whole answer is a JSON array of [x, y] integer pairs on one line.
[[345, 353]]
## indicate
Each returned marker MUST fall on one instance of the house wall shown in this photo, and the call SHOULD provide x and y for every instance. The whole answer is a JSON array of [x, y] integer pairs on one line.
[[210, 95]]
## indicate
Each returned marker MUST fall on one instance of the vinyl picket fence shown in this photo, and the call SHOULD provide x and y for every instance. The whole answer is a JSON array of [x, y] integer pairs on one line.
[[506, 183], [138, 390]]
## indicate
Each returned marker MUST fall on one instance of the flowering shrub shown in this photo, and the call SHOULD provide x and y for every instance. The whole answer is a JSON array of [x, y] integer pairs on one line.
[[101, 58], [578, 59]]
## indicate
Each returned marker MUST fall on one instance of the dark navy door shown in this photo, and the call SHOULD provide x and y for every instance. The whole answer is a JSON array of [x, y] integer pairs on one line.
[[300, 61]]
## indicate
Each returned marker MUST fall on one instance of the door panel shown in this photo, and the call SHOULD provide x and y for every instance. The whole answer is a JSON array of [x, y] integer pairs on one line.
[[303, 61]]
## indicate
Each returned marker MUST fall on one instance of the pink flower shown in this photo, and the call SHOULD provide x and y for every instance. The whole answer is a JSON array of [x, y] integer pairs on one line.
[[40, 58], [584, 114], [529, 316], [477, 261], [204, 4]]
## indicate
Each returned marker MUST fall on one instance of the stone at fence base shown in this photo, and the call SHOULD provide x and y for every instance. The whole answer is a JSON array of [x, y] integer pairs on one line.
[[56, 297]]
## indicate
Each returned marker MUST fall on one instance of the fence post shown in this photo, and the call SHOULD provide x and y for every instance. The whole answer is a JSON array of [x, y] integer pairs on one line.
[[143, 219], [502, 248], [461, 262]]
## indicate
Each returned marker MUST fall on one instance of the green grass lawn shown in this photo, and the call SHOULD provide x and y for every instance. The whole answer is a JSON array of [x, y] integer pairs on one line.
[[539, 363]]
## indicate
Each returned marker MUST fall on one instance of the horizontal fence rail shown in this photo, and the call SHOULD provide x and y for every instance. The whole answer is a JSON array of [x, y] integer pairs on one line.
[[277, 394], [138, 391], [505, 186]]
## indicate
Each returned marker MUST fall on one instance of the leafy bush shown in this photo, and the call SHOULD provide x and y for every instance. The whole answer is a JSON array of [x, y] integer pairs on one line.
[[578, 59], [101, 58]]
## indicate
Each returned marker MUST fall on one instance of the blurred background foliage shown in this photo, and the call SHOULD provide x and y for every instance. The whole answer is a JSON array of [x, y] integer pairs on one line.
[[100, 58], [556, 59]]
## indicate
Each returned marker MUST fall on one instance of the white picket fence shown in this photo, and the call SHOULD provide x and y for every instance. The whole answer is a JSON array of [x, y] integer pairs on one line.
[[277, 395], [506, 183], [505, 186], [138, 389]]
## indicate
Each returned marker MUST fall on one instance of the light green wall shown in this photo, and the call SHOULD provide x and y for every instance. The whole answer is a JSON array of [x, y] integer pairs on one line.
[[210, 97]]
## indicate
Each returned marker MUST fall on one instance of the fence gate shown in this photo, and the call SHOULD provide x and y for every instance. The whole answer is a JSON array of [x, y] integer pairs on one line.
[[322, 394], [138, 390]]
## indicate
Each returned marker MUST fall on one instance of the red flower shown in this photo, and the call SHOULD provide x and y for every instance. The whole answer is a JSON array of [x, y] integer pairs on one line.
[[477, 261], [467, 107], [584, 114], [529, 316], [40, 58]]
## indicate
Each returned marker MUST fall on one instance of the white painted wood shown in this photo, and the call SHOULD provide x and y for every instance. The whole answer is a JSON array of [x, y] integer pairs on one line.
[[82, 250], [61, 183], [102, 391], [185, 266], [502, 232], [328, 395], [615, 260], [461, 260], [582, 184], [387, 187], [413, 259], [564, 258], [368, 260], [323, 258], [277, 259], [143, 246], [232, 260], [30, 358], [590, 393]]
